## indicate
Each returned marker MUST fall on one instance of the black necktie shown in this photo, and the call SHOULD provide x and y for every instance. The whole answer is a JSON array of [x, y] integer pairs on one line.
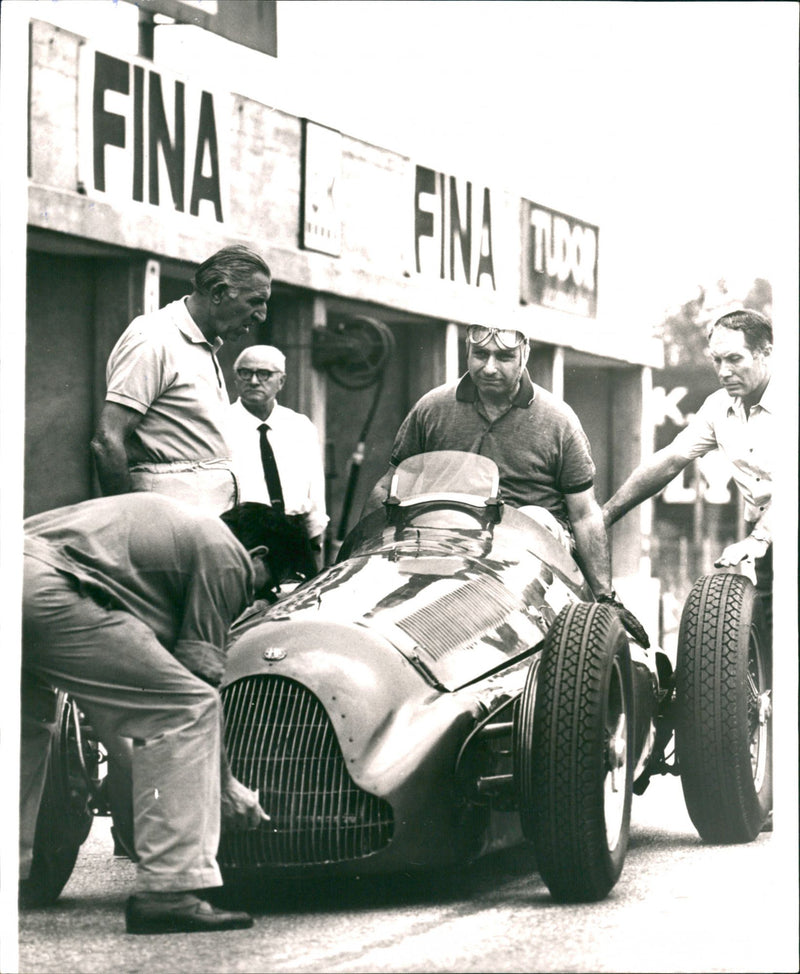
[[270, 470]]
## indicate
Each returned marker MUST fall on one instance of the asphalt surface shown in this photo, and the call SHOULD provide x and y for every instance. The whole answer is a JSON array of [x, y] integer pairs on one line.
[[679, 906]]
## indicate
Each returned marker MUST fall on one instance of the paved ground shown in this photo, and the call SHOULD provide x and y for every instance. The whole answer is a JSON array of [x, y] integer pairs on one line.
[[679, 906]]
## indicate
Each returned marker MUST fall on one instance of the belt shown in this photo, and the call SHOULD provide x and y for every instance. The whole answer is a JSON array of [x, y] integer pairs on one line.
[[180, 466]]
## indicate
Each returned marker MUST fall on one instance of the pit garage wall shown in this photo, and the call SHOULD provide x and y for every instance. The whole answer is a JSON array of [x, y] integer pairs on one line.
[[610, 400], [394, 261]]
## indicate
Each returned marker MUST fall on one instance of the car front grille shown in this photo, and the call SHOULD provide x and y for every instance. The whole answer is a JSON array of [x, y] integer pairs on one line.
[[280, 740]]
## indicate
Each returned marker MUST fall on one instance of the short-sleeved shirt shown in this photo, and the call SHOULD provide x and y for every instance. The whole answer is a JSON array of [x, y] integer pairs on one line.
[[298, 455], [179, 571], [163, 367], [538, 444], [748, 443]]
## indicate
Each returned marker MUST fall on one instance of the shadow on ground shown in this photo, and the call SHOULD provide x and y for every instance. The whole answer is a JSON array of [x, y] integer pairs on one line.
[[271, 892]]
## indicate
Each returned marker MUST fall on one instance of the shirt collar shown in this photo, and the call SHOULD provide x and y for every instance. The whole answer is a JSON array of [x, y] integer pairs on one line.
[[190, 329], [766, 398], [466, 391], [765, 402], [252, 418]]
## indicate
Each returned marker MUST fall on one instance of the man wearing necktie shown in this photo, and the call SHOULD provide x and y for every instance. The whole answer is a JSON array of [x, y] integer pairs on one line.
[[277, 459], [271, 476]]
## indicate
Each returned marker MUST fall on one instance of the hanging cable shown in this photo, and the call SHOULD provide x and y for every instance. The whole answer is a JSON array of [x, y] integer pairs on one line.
[[354, 352]]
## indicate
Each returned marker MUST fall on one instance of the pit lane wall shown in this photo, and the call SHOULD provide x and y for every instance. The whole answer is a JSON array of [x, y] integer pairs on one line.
[[137, 173]]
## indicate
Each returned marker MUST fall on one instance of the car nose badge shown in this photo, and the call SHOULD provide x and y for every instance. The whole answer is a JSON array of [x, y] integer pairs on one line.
[[274, 654]]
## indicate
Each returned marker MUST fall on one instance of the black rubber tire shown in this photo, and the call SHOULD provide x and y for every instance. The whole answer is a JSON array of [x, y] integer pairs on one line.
[[574, 713], [723, 727], [65, 814]]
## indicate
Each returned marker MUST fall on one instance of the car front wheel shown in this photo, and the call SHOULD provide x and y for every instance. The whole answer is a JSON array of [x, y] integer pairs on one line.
[[574, 754], [65, 813]]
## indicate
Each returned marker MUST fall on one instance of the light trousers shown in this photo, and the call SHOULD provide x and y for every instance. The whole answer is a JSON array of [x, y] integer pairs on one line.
[[207, 484], [129, 686]]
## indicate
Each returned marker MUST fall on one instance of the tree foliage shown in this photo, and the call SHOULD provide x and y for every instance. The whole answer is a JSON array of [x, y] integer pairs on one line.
[[684, 330]]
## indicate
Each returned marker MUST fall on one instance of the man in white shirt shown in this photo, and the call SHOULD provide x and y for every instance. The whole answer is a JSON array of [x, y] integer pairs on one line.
[[290, 442], [738, 420]]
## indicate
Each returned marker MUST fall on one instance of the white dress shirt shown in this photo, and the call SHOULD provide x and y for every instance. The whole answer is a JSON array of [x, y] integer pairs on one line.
[[748, 442], [296, 446]]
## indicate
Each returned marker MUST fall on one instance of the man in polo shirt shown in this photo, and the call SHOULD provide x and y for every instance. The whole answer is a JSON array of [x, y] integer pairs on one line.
[[738, 421], [163, 426], [536, 440]]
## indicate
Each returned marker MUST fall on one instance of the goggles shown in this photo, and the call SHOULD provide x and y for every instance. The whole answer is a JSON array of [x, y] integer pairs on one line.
[[504, 337]]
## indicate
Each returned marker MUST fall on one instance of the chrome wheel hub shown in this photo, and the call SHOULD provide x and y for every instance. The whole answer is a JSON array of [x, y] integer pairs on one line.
[[614, 786]]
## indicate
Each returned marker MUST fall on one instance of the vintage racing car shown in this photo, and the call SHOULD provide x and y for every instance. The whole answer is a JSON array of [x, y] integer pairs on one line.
[[449, 687]]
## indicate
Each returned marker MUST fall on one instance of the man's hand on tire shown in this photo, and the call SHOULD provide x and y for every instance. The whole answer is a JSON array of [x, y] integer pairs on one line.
[[746, 550], [627, 618]]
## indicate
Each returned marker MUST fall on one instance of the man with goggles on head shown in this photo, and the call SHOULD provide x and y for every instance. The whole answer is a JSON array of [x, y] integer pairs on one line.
[[504, 337], [536, 440]]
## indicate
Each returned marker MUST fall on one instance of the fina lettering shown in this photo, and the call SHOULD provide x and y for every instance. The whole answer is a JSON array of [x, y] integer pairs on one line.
[[453, 229], [155, 131]]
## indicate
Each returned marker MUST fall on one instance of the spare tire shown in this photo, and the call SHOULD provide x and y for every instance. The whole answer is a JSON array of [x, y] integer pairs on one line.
[[723, 729]]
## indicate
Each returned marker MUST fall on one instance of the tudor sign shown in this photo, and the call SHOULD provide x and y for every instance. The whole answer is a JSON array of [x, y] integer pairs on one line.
[[559, 260]]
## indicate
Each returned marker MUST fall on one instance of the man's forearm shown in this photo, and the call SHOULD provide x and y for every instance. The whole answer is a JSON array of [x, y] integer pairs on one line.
[[761, 529], [591, 543], [644, 482], [317, 545], [378, 494], [111, 464]]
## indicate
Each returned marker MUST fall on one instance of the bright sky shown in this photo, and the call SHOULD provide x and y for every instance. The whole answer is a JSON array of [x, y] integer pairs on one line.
[[625, 114], [673, 126]]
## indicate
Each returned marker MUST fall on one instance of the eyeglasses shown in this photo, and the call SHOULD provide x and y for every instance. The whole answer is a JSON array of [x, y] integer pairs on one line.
[[263, 375], [505, 337]]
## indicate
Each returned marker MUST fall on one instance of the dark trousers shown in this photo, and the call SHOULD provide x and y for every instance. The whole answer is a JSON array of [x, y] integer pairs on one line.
[[763, 567]]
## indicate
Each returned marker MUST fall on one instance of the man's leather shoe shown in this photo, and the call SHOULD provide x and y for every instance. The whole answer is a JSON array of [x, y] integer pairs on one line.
[[179, 913]]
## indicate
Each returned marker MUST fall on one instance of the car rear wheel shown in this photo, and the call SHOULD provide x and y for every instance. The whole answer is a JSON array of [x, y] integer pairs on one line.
[[574, 755], [723, 731], [65, 813]]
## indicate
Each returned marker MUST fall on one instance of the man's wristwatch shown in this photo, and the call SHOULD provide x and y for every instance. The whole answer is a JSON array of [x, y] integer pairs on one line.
[[608, 598]]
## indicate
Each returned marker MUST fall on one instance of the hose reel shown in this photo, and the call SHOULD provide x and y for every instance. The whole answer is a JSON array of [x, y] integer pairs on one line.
[[354, 353]]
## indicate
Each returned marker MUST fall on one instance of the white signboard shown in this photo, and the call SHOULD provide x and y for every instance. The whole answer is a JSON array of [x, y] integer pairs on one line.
[[322, 171], [150, 139]]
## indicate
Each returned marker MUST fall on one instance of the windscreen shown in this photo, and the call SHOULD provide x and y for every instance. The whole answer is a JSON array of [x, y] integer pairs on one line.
[[446, 472]]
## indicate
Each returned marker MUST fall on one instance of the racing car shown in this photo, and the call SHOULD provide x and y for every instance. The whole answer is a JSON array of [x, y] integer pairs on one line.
[[449, 687]]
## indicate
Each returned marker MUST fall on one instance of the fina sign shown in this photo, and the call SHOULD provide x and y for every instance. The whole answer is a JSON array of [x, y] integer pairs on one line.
[[453, 229], [151, 139], [559, 261]]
